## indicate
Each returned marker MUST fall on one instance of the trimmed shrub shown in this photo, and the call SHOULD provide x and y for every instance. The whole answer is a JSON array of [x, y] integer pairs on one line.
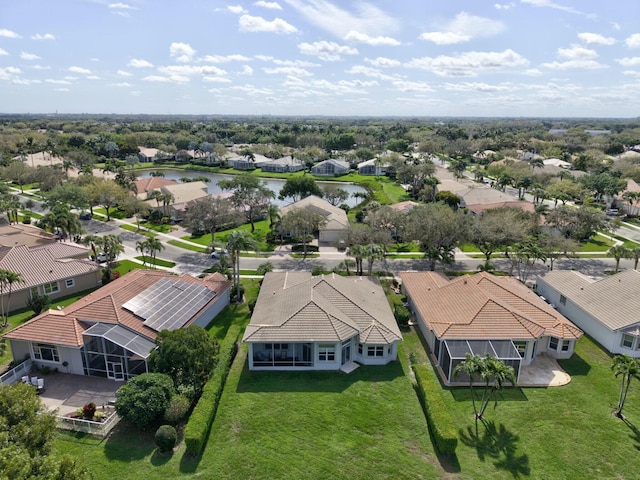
[[177, 410], [89, 410], [199, 424], [438, 416], [144, 399], [300, 248], [166, 438]]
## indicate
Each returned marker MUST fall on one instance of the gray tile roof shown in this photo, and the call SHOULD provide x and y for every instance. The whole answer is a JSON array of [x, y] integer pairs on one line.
[[297, 307], [613, 300]]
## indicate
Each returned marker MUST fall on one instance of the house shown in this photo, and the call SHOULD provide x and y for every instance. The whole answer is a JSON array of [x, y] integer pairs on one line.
[[373, 167], [148, 155], [54, 269], [145, 185], [324, 322], [283, 165], [480, 208], [15, 234], [247, 162], [336, 221], [556, 162], [484, 314], [39, 158], [606, 308], [182, 195], [404, 207], [330, 167], [111, 332]]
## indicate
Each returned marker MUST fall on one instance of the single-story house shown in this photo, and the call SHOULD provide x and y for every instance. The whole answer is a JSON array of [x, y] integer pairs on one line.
[[404, 207], [485, 314], [146, 154], [147, 184], [183, 194], [39, 158], [336, 219], [111, 332], [606, 308], [480, 208], [373, 167], [283, 165], [15, 234], [330, 167], [55, 269], [244, 162], [324, 322], [557, 163]]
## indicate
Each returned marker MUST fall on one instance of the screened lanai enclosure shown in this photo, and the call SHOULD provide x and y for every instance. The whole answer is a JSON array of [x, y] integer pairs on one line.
[[114, 352], [451, 352]]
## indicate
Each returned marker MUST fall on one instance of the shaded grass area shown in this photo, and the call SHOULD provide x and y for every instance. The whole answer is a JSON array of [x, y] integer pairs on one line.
[[158, 261], [186, 246], [125, 266], [131, 228], [259, 235], [597, 243]]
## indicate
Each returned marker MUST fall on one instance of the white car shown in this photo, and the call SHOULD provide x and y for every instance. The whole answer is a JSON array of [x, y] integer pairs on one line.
[[218, 254]]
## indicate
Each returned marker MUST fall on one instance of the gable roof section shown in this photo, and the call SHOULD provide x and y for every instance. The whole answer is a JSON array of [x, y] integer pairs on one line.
[[144, 185], [336, 218], [296, 307], [613, 300], [45, 263], [105, 306], [21, 234], [483, 306]]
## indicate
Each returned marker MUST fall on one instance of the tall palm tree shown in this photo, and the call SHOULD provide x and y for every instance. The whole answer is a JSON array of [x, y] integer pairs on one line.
[[167, 199], [357, 252], [141, 246], [470, 367], [495, 373], [628, 368], [7, 280], [155, 195], [619, 252], [153, 247], [634, 253], [373, 252], [93, 242], [238, 241]]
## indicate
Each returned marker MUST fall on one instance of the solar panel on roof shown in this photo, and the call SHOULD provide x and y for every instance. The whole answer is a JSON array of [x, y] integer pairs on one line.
[[169, 303]]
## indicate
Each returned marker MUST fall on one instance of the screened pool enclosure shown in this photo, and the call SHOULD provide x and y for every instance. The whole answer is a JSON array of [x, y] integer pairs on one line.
[[451, 352]]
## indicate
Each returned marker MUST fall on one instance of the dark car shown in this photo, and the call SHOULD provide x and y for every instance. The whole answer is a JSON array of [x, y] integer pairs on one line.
[[85, 216]]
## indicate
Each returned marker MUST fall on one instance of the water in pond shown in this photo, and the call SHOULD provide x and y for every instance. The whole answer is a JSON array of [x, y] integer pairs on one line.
[[274, 184]]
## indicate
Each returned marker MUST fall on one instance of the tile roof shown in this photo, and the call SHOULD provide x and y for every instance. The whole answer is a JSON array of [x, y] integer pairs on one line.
[[483, 306], [46, 263], [298, 307], [105, 305], [144, 185], [613, 300], [336, 218], [21, 234]]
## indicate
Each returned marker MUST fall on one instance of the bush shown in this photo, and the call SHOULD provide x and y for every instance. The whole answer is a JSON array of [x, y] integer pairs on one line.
[[438, 416], [38, 303], [166, 438], [234, 296], [145, 398], [199, 424], [264, 268], [317, 270], [300, 248], [402, 315], [89, 410], [26, 220], [177, 409]]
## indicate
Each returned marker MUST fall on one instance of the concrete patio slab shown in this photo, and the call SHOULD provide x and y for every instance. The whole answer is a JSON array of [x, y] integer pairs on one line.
[[544, 371]]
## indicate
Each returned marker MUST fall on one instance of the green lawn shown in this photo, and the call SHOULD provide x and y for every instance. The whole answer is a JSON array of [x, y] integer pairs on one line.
[[132, 228], [125, 266], [186, 246], [158, 261], [259, 235]]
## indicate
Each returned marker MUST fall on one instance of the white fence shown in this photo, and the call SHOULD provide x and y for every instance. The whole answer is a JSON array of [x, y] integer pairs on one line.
[[98, 429], [16, 373]]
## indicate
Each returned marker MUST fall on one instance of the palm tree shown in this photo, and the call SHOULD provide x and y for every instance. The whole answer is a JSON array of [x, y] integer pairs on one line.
[[153, 246], [141, 246], [628, 368], [155, 195], [357, 252], [634, 253], [470, 367], [7, 279], [619, 252], [238, 241], [274, 215], [167, 199], [93, 242], [372, 253]]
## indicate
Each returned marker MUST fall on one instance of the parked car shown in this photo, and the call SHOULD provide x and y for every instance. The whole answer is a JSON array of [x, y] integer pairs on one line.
[[218, 254], [102, 257], [85, 216], [612, 212]]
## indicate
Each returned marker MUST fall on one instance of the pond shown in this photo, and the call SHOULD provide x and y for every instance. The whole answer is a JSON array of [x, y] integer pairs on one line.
[[274, 184]]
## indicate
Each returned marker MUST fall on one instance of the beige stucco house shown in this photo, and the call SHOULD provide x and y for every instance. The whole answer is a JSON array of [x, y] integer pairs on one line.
[[336, 221], [325, 322]]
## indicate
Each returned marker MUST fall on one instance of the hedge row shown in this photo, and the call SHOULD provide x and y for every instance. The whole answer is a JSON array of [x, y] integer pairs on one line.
[[199, 424], [435, 409]]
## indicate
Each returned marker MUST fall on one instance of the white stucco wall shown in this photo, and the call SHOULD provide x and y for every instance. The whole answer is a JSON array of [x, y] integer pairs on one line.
[[209, 314]]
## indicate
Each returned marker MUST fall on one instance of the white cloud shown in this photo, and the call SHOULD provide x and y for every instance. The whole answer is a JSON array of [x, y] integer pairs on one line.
[[208, 78], [182, 52], [8, 33], [470, 63], [629, 61], [475, 87], [29, 56], [295, 71], [251, 90], [464, 27], [9, 73], [225, 58], [374, 41], [123, 73], [157, 79], [61, 90], [370, 72], [46, 36], [504, 6], [139, 63], [238, 9], [295, 63], [249, 23], [577, 53], [270, 5], [596, 39], [58, 82], [246, 70], [557, 6], [122, 84], [327, 51], [93, 77], [3, 52], [533, 72], [183, 73], [40, 67], [633, 41], [573, 64], [333, 18], [383, 62], [84, 71], [121, 6], [409, 86]]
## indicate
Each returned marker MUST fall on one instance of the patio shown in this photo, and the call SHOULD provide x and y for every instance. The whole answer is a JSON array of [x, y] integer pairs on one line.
[[67, 392], [544, 371]]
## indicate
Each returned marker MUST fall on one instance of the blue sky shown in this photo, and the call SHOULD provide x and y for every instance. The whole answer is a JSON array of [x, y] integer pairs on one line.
[[550, 58]]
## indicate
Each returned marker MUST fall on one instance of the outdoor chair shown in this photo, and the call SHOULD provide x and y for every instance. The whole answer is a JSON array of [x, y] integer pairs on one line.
[[25, 379], [34, 381], [40, 385]]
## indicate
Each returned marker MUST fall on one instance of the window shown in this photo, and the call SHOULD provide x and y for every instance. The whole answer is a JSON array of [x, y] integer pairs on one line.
[[326, 352], [69, 282], [553, 343], [565, 345], [375, 351], [43, 351], [563, 300], [521, 346], [276, 346], [359, 349], [50, 288], [627, 341]]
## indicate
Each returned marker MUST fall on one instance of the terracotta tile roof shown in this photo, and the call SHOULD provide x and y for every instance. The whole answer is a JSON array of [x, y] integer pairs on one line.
[[144, 185], [295, 306], [336, 218], [105, 305], [613, 300], [483, 306], [46, 263], [20, 234]]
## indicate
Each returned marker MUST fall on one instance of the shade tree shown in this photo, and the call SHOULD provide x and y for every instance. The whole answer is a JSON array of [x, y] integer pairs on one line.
[[299, 187], [250, 195]]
